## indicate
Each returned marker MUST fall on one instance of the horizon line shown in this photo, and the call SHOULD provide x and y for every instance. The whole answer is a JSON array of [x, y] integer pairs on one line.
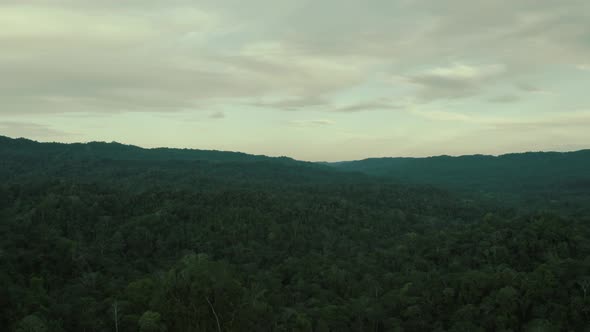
[[301, 160]]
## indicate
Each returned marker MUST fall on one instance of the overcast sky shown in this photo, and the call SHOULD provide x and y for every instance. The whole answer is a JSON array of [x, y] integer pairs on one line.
[[314, 80]]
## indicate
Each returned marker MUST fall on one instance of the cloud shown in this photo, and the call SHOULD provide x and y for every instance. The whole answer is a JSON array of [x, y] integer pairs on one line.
[[108, 56], [368, 106], [324, 105], [455, 81], [311, 123], [217, 115], [292, 103], [505, 99], [531, 88], [527, 87], [70, 56], [444, 116], [102, 59], [528, 33]]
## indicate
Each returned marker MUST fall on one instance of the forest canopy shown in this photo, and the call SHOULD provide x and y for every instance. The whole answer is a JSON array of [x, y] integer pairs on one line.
[[111, 237]]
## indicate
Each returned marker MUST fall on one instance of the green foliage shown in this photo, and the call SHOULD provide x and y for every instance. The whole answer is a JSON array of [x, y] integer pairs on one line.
[[92, 241], [151, 322], [31, 323]]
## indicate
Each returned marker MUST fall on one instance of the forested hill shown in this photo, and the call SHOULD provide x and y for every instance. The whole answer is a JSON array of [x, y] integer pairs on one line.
[[531, 171], [22, 159], [101, 150]]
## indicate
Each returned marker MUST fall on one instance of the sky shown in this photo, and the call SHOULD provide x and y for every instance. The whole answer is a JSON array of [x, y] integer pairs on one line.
[[322, 80]]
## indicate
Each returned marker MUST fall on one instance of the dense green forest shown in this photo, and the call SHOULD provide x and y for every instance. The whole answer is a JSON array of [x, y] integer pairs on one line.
[[111, 237]]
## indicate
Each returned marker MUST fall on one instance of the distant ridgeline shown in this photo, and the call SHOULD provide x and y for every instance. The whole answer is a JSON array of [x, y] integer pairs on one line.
[[531, 171], [22, 159], [117, 151]]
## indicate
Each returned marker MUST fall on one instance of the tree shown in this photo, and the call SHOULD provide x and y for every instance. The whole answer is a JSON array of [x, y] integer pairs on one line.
[[31, 323], [151, 322]]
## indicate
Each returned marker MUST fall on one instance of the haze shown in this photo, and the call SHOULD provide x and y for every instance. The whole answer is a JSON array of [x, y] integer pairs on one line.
[[329, 80]]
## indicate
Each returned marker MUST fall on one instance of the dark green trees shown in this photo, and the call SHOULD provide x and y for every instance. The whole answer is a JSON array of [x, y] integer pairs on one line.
[[151, 246]]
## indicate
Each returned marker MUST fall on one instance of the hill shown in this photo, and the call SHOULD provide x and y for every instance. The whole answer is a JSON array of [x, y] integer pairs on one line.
[[23, 159], [516, 172], [117, 151]]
